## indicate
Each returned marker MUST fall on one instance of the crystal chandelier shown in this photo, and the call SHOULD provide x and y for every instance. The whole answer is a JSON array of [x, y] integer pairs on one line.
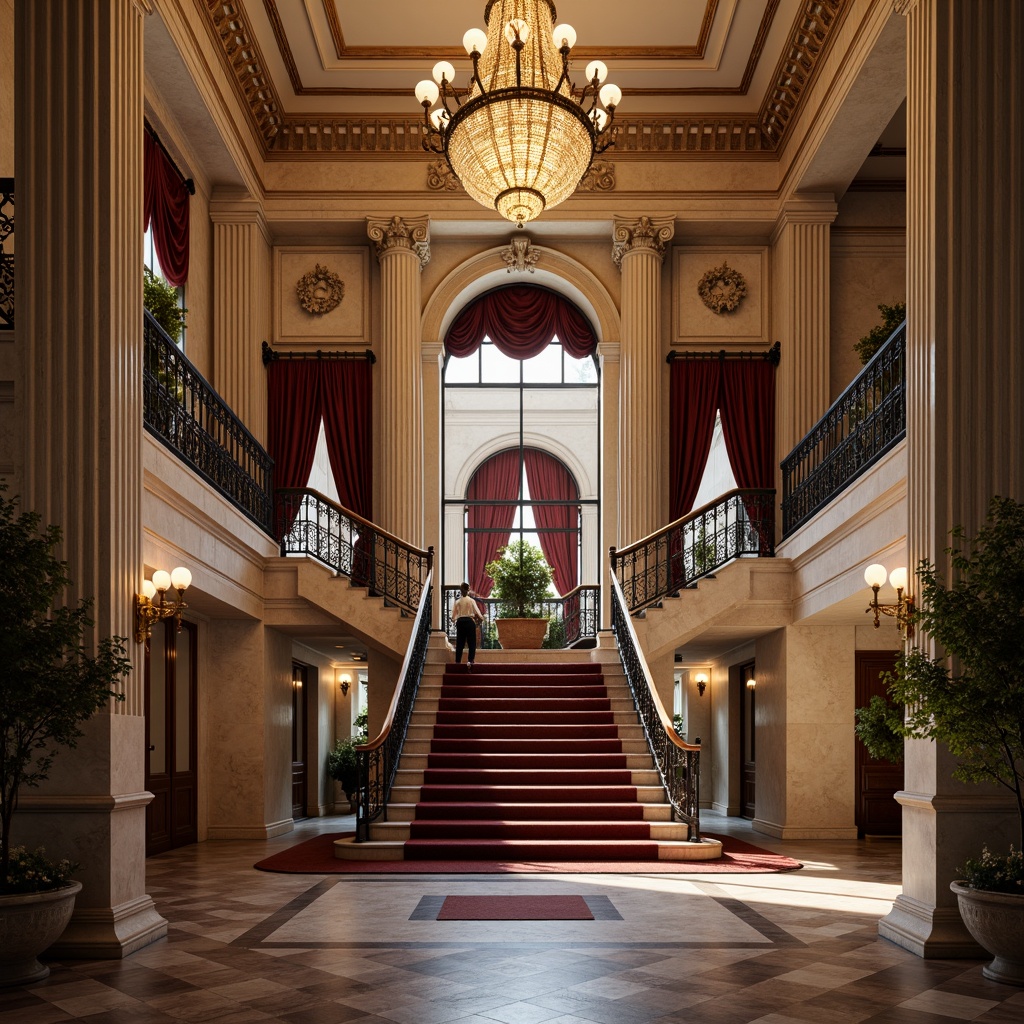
[[520, 136]]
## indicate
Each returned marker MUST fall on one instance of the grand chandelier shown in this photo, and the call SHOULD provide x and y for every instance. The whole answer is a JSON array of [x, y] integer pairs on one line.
[[520, 136]]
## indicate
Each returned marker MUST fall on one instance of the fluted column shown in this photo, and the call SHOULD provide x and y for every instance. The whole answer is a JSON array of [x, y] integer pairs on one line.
[[241, 320], [403, 250], [801, 270], [639, 251], [78, 149], [965, 384]]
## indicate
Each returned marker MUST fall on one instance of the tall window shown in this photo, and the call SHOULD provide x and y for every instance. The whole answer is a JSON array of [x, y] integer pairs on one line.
[[150, 259]]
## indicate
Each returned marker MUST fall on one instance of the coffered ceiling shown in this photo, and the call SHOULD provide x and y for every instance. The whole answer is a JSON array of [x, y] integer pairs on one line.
[[337, 76]]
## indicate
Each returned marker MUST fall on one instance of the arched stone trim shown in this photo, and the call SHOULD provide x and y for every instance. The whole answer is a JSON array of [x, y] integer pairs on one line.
[[586, 486], [488, 270]]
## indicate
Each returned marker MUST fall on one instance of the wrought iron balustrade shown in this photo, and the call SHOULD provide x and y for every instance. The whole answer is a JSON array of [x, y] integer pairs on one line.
[[862, 424], [572, 619], [181, 408], [6, 254], [378, 760], [739, 523], [677, 761], [309, 523]]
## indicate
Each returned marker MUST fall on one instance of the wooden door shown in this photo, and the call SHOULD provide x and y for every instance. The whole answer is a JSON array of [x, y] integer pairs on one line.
[[300, 676], [171, 759], [748, 740], [877, 781]]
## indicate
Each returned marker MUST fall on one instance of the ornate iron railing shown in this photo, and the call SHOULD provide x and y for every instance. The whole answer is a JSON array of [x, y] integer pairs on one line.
[[311, 524], [6, 254], [861, 425], [677, 761], [378, 759], [739, 523], [571, 619], [181, 409]]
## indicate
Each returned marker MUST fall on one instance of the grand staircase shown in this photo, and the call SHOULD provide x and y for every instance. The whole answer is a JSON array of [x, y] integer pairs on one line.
[[537, 759]]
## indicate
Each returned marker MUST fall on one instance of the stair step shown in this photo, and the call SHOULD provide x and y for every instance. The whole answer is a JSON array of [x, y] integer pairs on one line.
[[532, 849], [530, 811], [404, 792]]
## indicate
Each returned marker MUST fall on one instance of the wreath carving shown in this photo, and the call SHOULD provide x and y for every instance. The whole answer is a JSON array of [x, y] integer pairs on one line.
[[320, 291], [722, 289]]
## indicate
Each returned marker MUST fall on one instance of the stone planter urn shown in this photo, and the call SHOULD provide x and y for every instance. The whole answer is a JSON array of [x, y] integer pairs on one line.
[[521, 634], [996, 922], [30, 923]]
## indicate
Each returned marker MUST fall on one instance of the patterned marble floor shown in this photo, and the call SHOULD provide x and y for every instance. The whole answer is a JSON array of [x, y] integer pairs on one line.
[[247, 946]]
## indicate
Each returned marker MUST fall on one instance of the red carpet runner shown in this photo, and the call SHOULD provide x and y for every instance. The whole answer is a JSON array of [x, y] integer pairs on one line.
[[526, 764]]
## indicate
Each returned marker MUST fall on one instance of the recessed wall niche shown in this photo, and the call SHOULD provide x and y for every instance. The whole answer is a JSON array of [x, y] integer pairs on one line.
[[348, 321]]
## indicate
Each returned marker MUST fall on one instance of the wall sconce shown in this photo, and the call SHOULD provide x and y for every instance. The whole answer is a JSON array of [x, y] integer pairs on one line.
[[147, 612], [345, 684], [702, 683], [901, 611], [751, 683]]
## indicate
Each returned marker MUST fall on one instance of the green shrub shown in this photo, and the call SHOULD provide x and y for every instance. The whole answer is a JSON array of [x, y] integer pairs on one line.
[[164, 303], [892, 317], [522, 580]]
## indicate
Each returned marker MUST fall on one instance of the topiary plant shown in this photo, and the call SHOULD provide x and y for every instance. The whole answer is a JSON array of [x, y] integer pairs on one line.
[[522, 580], [892, 317]]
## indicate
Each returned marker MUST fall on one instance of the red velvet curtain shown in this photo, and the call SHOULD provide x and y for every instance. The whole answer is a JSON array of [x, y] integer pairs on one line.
[[497, 479], [521, 320], [695, 396], [346, 397], [549, 480], [166, 207]]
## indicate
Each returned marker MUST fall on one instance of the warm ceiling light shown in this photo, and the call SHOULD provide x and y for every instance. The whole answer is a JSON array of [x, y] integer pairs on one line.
[[520, 136]]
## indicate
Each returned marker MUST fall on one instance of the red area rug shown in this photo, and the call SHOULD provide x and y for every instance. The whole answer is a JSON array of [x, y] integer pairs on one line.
[[316, 857], [515, 908]]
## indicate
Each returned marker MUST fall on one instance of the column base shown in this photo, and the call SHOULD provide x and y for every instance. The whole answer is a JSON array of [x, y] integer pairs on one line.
[[770, 828], [268, 831], [929, 932], [110, 933]]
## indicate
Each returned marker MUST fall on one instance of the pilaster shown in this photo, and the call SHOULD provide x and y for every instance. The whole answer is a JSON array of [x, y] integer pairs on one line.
[[965, 379], [403, 249], [639, 252], [241, 309], [78, 165]]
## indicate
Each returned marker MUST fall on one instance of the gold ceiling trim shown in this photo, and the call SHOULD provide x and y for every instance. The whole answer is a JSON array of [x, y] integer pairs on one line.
[[290, 135]]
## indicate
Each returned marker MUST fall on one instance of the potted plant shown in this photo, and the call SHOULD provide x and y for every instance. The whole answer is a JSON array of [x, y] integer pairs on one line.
[[49, 686], [343, 767], [522, 581], [972, 700]]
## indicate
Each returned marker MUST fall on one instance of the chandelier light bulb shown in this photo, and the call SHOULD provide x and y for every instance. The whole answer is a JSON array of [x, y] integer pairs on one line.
[[438, 116], [874, 575], [161, 580], [475, 39], [610, 95], [148, 590], [898, 578], [517, 27], [427, 92], [444, 71], [600, 118], [181, 578], [597, 69], [564, 35]]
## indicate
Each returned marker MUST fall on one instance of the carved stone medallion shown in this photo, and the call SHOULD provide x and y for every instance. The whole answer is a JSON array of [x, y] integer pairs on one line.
[[320, 291], [722, 289]]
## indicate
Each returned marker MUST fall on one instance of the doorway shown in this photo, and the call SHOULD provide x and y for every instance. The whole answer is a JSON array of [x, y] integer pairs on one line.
[[748, 739], [300, 702], [878, 781], [171, 763]]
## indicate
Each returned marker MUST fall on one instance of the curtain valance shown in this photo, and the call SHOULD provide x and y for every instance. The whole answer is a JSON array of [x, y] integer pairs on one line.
[[166, 209]]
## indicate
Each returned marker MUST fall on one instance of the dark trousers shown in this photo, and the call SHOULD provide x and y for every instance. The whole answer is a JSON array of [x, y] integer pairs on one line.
[[465, 632]]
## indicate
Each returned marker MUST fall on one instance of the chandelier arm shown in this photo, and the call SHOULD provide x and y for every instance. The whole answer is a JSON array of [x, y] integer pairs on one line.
[[475, 55], [564, 51]]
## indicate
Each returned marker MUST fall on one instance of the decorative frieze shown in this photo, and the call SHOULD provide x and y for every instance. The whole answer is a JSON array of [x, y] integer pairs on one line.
[[441, 178], [599, 178]]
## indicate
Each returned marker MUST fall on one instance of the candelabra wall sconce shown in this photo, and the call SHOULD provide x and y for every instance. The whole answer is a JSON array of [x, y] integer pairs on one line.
[[345, 685], [150, 609], [702, 683], [751, 683], [902, 610]]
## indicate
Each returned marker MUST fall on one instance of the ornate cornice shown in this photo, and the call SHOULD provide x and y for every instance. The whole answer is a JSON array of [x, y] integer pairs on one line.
[[599, 178], [441, 178], [650, 234], [411, 234]]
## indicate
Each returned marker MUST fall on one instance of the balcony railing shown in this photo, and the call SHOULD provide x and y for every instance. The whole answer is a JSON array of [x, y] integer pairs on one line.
[[572, 619], [739, 523], [182, 410], [378, 759], [6, 254], [311, 524], [678, 762], [863, 423]]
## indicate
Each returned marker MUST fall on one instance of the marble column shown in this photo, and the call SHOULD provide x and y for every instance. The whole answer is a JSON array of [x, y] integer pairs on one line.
[[241, 310], [965, 384], [432, 355], [78, 166], [609, 354], [639, 252], [801, 269], [403, 250]]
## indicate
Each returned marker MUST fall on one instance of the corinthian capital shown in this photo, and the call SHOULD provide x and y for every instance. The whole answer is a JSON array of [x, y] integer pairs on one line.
[[411, 234], [645, 233]]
